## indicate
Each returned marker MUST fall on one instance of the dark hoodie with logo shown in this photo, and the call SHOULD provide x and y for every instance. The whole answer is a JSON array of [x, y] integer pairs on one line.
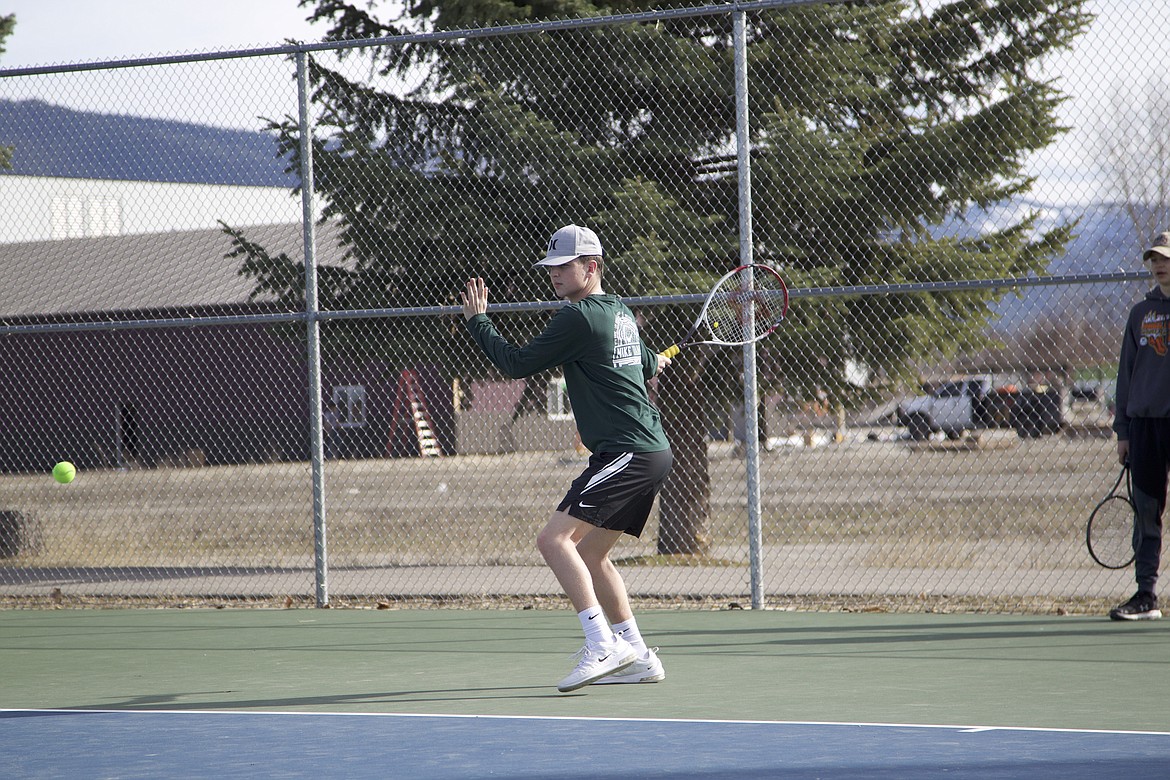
[[1143, 373]]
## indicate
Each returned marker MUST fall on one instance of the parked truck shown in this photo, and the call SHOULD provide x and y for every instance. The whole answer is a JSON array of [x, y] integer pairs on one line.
[[967, 404]]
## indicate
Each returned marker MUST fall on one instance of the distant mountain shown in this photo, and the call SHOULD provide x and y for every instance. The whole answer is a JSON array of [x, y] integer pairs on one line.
[[56, 141], [1103, 242], [1103, 239]]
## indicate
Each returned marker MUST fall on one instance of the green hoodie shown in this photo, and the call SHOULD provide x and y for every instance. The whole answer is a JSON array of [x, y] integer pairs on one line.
[[606, 366]]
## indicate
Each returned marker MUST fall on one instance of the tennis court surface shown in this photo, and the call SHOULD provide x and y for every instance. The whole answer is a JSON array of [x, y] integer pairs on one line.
[[469, 694]]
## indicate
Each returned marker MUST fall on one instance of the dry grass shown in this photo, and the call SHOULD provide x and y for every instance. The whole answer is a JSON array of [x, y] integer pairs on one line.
[[486, 509], [1008, 511]]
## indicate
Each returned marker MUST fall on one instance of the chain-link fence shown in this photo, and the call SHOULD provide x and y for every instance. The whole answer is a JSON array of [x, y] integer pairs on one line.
[[267, 405]]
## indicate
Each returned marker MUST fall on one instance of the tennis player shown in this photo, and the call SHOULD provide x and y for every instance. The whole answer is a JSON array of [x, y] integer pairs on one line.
[[596, 343], [1142, 424]]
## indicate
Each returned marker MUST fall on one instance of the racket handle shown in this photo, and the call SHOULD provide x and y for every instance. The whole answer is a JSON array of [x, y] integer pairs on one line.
[[670, 352]]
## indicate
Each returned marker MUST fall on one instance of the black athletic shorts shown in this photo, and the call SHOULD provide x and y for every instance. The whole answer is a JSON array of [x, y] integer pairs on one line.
[[617, 489]]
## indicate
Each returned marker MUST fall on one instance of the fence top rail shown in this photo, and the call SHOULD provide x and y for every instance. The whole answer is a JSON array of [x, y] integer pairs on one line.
[[296, 47], [9, 329]]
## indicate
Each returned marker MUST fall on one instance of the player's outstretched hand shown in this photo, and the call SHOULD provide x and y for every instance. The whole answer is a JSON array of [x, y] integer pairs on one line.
[[475, 297]]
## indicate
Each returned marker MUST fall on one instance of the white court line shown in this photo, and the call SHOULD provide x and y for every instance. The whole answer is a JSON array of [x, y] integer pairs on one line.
[[962, 729]]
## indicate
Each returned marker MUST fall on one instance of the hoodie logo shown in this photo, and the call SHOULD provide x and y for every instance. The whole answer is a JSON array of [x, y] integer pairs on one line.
[[1155, 332], [627, 349]]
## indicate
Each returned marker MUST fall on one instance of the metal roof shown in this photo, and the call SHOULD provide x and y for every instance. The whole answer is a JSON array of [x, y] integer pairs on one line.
[[141, 272]]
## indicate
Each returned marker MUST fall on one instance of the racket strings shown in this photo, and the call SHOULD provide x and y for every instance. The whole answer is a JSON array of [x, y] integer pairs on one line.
[[726, 321], [735, 314], [1111, 532]]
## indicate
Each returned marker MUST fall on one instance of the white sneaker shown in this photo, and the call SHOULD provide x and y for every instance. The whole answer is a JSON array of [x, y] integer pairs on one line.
[[644, 670], [597, 660]]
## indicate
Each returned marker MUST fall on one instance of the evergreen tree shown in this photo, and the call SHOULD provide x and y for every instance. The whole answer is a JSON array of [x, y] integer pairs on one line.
[[872, 125], [7, 25]]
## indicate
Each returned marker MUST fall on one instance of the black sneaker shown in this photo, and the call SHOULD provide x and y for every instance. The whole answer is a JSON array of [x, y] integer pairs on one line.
[[1143, 606]]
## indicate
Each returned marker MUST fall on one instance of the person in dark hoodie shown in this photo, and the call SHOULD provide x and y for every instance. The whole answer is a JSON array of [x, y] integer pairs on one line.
[[1142, 424]]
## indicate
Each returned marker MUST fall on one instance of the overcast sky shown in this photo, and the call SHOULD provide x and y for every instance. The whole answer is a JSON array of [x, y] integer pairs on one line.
[[69, 31]]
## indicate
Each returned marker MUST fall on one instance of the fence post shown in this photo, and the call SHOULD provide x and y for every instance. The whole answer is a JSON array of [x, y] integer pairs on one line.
[[313, 328], [751, 406]]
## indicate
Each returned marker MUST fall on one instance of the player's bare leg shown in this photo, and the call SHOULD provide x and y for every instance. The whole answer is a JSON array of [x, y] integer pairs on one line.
[[608, 585], [603, 653], [557, 542], [595, 547]]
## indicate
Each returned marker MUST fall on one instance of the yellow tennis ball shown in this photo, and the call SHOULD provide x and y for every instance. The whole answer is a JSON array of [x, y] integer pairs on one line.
[[64, 472]]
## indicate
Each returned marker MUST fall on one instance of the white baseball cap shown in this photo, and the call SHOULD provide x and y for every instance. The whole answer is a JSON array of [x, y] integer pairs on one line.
[[569, 243], [1161, 246]]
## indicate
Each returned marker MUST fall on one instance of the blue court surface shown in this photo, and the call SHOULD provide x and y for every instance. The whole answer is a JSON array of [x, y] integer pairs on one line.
[[231, 744]]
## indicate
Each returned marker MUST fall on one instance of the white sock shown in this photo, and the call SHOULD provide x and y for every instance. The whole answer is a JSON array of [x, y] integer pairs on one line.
[[594, 625], [628, 630]]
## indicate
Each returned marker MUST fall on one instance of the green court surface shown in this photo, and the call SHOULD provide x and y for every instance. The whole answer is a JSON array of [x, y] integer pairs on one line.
[[947, 669]]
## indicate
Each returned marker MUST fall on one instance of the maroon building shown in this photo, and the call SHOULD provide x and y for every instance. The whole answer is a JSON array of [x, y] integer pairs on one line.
[[181, 395]]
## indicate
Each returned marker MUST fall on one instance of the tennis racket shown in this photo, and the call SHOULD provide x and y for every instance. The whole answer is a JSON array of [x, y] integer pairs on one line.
[[1109, 534], [745, 305]]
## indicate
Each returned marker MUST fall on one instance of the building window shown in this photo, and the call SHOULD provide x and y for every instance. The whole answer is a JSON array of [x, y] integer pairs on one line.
[[68, 217], [105, 217], [559, 407], [351, 405], [76, 216]]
